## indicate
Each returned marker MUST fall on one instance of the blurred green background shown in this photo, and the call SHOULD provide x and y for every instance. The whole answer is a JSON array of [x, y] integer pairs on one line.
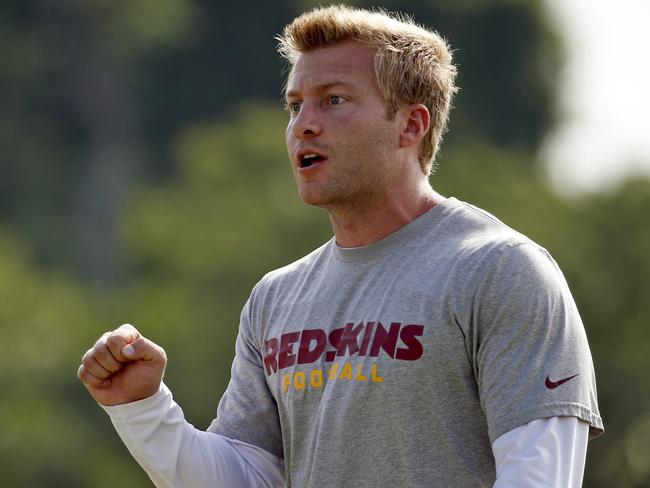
[[144, 179]]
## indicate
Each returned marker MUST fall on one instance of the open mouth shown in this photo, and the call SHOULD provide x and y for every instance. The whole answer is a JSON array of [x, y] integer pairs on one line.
[[306, 160]]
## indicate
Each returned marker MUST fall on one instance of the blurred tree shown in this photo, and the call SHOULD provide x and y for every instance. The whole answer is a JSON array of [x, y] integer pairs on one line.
[[97, 90], [610, 269], [50, 434], [125, 140], [71, 117]]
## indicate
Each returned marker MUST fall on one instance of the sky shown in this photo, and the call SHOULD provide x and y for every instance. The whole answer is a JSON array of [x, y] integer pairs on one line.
[[604, 131]]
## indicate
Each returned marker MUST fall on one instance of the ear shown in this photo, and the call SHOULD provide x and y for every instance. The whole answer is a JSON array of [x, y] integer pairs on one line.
[[416, 124]]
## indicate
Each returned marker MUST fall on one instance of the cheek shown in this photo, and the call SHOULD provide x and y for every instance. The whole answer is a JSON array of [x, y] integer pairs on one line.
[[348, 130], [349, 120], [359, 129], [288, 137]]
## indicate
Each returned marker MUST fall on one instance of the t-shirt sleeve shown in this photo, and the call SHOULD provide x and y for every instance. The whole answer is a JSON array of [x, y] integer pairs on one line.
[[531, 355], [247, 411]]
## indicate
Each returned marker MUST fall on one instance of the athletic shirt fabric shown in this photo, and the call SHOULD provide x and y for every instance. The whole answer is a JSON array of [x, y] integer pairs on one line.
[[400, 362]]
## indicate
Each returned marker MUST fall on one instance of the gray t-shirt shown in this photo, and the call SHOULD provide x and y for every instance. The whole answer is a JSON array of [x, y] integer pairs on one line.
[[399, 363]]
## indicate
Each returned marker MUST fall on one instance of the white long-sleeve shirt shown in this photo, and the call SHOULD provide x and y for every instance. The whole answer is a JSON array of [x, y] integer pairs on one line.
[[547, 452]]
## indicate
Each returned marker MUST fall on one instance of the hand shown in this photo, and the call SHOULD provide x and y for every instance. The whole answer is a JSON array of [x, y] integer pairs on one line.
[[122, 367]]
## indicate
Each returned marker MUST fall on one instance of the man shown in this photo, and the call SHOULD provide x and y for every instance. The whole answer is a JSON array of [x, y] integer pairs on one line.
[[426, 344]]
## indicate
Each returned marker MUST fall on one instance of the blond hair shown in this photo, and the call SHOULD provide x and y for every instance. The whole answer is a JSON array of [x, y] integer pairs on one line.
[[412, 64]]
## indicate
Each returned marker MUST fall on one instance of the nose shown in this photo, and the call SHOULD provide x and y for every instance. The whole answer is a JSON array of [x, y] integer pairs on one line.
[[306, 123]]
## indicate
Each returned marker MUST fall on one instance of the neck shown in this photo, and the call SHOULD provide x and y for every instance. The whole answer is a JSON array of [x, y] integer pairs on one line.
[[371, 219]]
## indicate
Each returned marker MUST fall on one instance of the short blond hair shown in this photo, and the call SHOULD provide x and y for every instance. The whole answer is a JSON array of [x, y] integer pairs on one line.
[[412, 64]]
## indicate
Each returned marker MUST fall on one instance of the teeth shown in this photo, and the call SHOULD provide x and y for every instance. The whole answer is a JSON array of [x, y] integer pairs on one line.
[[308, 159]]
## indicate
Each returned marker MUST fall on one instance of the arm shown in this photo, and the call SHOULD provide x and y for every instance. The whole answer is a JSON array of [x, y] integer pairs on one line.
[[544, 452], [123, 373], [174, 453]]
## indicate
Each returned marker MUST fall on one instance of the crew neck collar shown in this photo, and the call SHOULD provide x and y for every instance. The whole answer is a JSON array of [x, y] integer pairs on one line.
[[383, 246]]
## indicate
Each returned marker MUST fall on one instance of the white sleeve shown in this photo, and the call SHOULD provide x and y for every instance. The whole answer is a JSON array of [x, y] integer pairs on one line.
[[175, 454], [542, 453]]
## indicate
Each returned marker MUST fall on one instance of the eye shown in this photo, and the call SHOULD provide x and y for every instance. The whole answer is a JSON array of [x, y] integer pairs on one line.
[[293, 107], [335, 100]]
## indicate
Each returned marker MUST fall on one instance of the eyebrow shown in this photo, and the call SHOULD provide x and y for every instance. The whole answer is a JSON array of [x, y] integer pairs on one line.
[[319, 88]]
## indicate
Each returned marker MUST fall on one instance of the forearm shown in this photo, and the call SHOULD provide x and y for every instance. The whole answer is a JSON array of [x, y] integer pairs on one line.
[[545, 452], [175, 454]]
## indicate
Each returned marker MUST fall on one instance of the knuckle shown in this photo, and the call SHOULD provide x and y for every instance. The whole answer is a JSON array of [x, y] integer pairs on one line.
[[126, 327], [86, 377], [92, 381], [102, 339], [101, 355], [114, 340], [87, 358], [109, 363]]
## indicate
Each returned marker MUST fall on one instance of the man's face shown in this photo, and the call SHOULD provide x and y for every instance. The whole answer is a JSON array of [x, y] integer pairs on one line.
[[341, 144]]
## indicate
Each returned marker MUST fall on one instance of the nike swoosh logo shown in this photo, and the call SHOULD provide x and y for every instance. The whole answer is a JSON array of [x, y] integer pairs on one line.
[[551, 385]]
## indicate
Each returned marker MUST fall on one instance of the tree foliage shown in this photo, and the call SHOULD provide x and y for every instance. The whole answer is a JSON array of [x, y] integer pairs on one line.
[[144, 179]]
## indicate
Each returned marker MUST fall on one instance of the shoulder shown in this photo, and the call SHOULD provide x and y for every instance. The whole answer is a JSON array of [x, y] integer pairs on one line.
[[287, 276], [478, 238], [507, 247], [298, 267], [504, 262], [484, 251], [478, 228]]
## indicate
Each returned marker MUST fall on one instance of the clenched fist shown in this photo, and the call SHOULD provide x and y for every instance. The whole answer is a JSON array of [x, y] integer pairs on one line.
[[122, 367]]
